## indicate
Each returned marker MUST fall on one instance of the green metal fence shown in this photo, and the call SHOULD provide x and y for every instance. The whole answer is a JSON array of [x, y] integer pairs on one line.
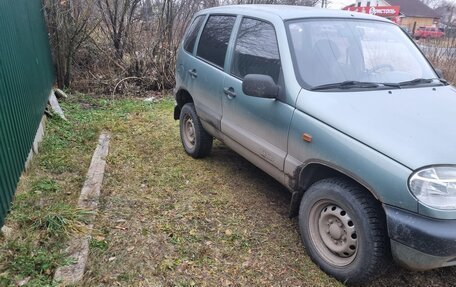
[[26, 78]]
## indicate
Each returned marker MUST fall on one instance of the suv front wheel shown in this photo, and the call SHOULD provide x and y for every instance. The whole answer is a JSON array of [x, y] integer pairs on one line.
[[196, 141], [343, 229]]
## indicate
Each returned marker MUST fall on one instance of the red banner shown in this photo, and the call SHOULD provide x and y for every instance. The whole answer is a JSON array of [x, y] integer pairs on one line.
[[384, 11]]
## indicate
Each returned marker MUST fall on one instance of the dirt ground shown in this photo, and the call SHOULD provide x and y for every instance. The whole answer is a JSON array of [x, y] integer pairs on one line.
[[169, 220]]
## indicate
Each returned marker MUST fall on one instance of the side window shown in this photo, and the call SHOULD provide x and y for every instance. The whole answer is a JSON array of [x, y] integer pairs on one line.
[[214, 39], [192, 33], [256, 50]]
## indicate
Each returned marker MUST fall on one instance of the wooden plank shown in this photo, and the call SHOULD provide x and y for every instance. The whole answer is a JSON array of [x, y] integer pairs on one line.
[[78, 248]]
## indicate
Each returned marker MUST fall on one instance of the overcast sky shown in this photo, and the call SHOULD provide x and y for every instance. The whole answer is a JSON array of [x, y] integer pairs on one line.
[[338, 4]]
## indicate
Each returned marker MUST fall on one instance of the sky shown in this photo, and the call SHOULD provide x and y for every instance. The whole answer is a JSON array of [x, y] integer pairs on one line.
[[338, 4]]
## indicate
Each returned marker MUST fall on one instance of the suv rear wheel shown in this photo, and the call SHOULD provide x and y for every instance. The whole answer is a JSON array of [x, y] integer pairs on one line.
[[196, 141], [343, 229]]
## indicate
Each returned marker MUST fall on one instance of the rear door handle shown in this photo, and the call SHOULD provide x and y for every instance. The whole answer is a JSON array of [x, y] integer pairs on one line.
[[229, 92], [193, 73]]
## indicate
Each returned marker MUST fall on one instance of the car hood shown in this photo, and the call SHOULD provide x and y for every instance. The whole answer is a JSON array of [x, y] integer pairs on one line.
[[415, 126]]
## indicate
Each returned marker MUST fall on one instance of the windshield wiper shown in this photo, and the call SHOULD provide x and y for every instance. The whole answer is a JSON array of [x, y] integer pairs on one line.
[[392, 85], [443, 81], [413, 82], [345, 85], [416, 82]]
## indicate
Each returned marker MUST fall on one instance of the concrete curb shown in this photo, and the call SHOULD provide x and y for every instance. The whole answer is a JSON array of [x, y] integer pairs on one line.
[[78, 248]]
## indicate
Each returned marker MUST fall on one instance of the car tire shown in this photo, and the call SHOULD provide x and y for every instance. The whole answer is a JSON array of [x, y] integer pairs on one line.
[[196, 141], [343, 230]]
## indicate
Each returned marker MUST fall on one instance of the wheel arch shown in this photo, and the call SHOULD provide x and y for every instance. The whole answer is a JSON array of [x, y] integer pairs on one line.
[[313, 171], [182, 97]]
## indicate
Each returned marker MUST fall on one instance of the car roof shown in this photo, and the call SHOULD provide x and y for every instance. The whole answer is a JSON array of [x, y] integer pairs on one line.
[[288, 12]]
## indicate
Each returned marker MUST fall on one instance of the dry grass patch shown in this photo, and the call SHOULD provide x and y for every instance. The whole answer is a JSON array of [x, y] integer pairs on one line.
[[165, 219], [169, 220]]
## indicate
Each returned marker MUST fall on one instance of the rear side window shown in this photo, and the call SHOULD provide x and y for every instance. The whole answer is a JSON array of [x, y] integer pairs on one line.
[[214, 39], [256, 50], [193, 30]]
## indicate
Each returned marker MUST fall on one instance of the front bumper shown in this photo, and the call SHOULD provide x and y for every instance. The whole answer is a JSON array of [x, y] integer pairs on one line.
[[421, 243]]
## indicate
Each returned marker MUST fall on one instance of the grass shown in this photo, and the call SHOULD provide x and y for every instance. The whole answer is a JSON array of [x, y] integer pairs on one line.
[[43, 212], [165, 219]]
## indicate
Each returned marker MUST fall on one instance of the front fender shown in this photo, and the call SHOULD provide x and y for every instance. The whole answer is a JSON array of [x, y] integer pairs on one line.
[[383, 176]]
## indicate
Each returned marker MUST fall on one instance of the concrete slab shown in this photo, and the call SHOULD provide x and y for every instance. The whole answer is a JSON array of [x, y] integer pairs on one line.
[[55, 106]]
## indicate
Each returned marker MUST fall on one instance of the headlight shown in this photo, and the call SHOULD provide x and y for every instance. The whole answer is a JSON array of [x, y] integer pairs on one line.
[[435, 186]]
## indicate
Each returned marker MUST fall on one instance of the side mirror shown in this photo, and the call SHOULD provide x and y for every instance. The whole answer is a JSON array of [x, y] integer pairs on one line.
[[261, 86], [439, 73]]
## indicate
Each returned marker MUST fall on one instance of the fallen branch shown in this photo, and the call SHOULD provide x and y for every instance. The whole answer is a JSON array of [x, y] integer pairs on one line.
[[124, 79]]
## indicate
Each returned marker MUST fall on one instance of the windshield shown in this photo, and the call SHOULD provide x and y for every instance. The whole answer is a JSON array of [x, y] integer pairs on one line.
[[329, 51]]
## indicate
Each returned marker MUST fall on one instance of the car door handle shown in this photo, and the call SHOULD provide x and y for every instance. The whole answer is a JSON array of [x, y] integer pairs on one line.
[[193, 73], [229, 92]]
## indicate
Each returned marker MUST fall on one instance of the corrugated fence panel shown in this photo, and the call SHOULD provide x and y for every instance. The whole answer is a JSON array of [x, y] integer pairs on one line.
[[26, 78]]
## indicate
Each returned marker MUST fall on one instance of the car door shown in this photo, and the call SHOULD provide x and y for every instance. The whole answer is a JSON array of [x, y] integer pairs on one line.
[[185, 55], [205, 72], [259, 125]]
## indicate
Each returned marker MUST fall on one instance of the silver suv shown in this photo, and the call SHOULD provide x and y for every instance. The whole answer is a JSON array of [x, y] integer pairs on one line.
[[341, 108]]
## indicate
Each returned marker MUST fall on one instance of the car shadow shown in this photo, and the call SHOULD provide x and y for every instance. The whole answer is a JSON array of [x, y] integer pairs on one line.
[[224, 157], [268, 186]]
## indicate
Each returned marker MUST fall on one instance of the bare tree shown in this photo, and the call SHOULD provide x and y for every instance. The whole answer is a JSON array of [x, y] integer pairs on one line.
[[118, 16], [431, 3], [447, 10], [134, 44], [70, 24]]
